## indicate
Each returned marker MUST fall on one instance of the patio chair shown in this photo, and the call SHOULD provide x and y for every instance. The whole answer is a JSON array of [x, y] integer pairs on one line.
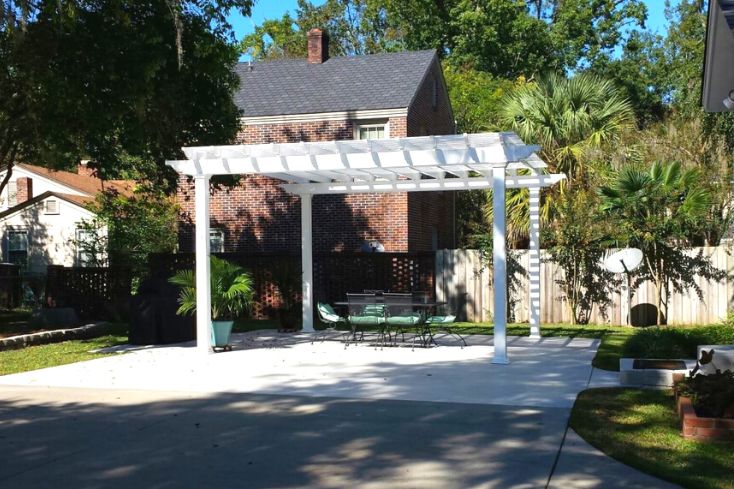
[[443, 323], [365, 312], [399, 314], [330, 318]]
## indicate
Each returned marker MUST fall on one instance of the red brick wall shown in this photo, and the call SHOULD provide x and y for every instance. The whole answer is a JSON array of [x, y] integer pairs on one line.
[[258, 216], [431, 210], [425, 119], [294, 132]]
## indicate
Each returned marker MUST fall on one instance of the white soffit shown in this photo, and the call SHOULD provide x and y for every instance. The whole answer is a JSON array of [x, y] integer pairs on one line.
[[399, 164]]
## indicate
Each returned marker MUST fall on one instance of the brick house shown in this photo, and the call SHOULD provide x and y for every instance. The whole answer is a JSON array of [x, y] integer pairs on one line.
[[321, 99]]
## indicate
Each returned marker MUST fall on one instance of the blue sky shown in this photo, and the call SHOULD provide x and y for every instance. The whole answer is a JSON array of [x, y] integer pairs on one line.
[[268, 9]]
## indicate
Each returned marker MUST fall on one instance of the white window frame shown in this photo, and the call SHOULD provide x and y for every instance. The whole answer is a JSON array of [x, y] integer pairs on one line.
[[14, 230], [78, 258], [223, 234], [384, 125], [56, 211]]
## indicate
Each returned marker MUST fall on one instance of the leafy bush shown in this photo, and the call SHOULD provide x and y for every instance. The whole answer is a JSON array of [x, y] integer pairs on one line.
[[712, 395], [675, 342], [232, 290]]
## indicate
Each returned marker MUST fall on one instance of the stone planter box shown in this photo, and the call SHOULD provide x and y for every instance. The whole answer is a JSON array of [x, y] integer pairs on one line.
[[703, 429], [661, 378]]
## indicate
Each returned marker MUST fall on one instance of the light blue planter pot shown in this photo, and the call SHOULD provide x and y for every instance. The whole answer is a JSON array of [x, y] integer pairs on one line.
[[221, 333]]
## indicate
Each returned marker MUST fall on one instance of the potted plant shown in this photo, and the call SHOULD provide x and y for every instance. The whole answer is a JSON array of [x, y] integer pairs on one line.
[[231, 296], [286, 276]]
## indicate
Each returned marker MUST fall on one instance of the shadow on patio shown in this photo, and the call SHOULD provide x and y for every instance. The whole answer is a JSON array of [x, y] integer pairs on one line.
[[131, 438]]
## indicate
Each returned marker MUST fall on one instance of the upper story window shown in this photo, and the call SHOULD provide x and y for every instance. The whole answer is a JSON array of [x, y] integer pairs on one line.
[[371, 131], [51, 206], [18, 247], [216, 241]]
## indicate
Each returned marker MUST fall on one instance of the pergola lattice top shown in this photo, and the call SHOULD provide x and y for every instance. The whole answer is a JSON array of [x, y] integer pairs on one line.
[[401, 164]]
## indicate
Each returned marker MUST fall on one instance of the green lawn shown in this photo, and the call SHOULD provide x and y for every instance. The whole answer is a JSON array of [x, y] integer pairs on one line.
[[640, 428], [54, 354]]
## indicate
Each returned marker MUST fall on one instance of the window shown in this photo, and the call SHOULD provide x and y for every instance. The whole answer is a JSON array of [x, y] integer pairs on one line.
[[86, 246], [18, 247], [216, 241], [371, 131], [434, 95], [12, 193], [52, 206]]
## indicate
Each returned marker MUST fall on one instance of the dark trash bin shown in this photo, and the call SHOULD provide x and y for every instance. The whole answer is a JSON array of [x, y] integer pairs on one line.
[[154, 318]]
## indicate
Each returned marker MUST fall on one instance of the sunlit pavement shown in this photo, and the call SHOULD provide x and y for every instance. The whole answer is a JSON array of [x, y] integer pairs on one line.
[[281, 412]]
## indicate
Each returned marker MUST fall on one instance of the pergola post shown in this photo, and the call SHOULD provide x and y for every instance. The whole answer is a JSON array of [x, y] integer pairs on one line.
[[307, 262], [534, 263], [203, 281], [499, 260]]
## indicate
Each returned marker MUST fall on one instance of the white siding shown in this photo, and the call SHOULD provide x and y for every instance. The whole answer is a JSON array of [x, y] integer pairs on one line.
[[51, 237]]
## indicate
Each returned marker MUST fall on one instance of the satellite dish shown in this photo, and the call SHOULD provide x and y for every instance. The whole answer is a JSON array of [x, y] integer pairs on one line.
[[372, 247], [623, 261]]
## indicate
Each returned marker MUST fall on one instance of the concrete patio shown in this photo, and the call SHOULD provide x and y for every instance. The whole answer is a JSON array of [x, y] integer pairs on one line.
[[544, 373], [279, 412]]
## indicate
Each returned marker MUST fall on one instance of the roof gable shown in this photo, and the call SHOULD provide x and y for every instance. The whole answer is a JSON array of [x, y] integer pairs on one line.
[[77, 200], [84, 184], [340, 84]]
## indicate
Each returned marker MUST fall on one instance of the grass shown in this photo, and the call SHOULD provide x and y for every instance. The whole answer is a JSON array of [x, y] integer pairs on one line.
[[55, 354], [640, 428]]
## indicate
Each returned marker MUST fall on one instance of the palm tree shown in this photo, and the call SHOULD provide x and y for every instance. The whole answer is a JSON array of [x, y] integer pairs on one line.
[[658, 211], [567, 117], [232, 290]]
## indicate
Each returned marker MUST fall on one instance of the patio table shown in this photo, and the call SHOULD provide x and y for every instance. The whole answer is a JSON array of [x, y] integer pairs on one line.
[[423, 306]]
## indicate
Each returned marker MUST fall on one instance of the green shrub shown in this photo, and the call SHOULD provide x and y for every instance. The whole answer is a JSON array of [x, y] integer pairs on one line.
[[712, 395], [675, 342]]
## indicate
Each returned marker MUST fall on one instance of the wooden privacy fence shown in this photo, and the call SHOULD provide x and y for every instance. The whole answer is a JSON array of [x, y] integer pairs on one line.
[[334, 274], [92, 291], [464, 280]]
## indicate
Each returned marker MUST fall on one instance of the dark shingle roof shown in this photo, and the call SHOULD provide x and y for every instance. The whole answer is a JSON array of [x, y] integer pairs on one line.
[[370, 82]]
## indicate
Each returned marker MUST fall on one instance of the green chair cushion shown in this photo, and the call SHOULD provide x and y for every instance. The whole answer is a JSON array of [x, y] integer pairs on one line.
[[441, 319], [411, 320], [327, 314], [366, 320]]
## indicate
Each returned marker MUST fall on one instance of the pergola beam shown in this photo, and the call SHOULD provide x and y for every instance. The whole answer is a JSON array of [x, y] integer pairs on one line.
[[428, 185]]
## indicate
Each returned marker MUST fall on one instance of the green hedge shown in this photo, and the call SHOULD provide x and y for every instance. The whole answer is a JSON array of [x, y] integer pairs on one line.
[[675, 342]]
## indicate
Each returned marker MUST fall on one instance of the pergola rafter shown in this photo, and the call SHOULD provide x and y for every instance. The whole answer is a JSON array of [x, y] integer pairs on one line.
[[494, 161]]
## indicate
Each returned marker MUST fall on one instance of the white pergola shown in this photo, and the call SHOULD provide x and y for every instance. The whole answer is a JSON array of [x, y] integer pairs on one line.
[[496, 161]]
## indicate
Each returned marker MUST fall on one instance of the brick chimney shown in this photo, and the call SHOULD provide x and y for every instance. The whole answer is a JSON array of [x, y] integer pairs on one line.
[[318, 46], [24, 189], [84, 169]]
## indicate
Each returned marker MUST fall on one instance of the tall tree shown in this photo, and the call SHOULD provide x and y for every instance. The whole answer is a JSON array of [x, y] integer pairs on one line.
[[355, 27], [506, 38], [657, 210], [569, 118], [124, 83]]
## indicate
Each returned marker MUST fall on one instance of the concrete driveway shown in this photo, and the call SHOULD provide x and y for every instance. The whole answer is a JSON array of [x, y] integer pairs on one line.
[[282, 413]]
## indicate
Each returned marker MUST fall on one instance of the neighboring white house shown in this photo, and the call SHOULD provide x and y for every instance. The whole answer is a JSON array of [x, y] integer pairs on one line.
[[41, 211]]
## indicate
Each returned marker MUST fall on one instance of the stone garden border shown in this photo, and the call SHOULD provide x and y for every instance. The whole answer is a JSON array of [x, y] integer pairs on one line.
[[54, 336]]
